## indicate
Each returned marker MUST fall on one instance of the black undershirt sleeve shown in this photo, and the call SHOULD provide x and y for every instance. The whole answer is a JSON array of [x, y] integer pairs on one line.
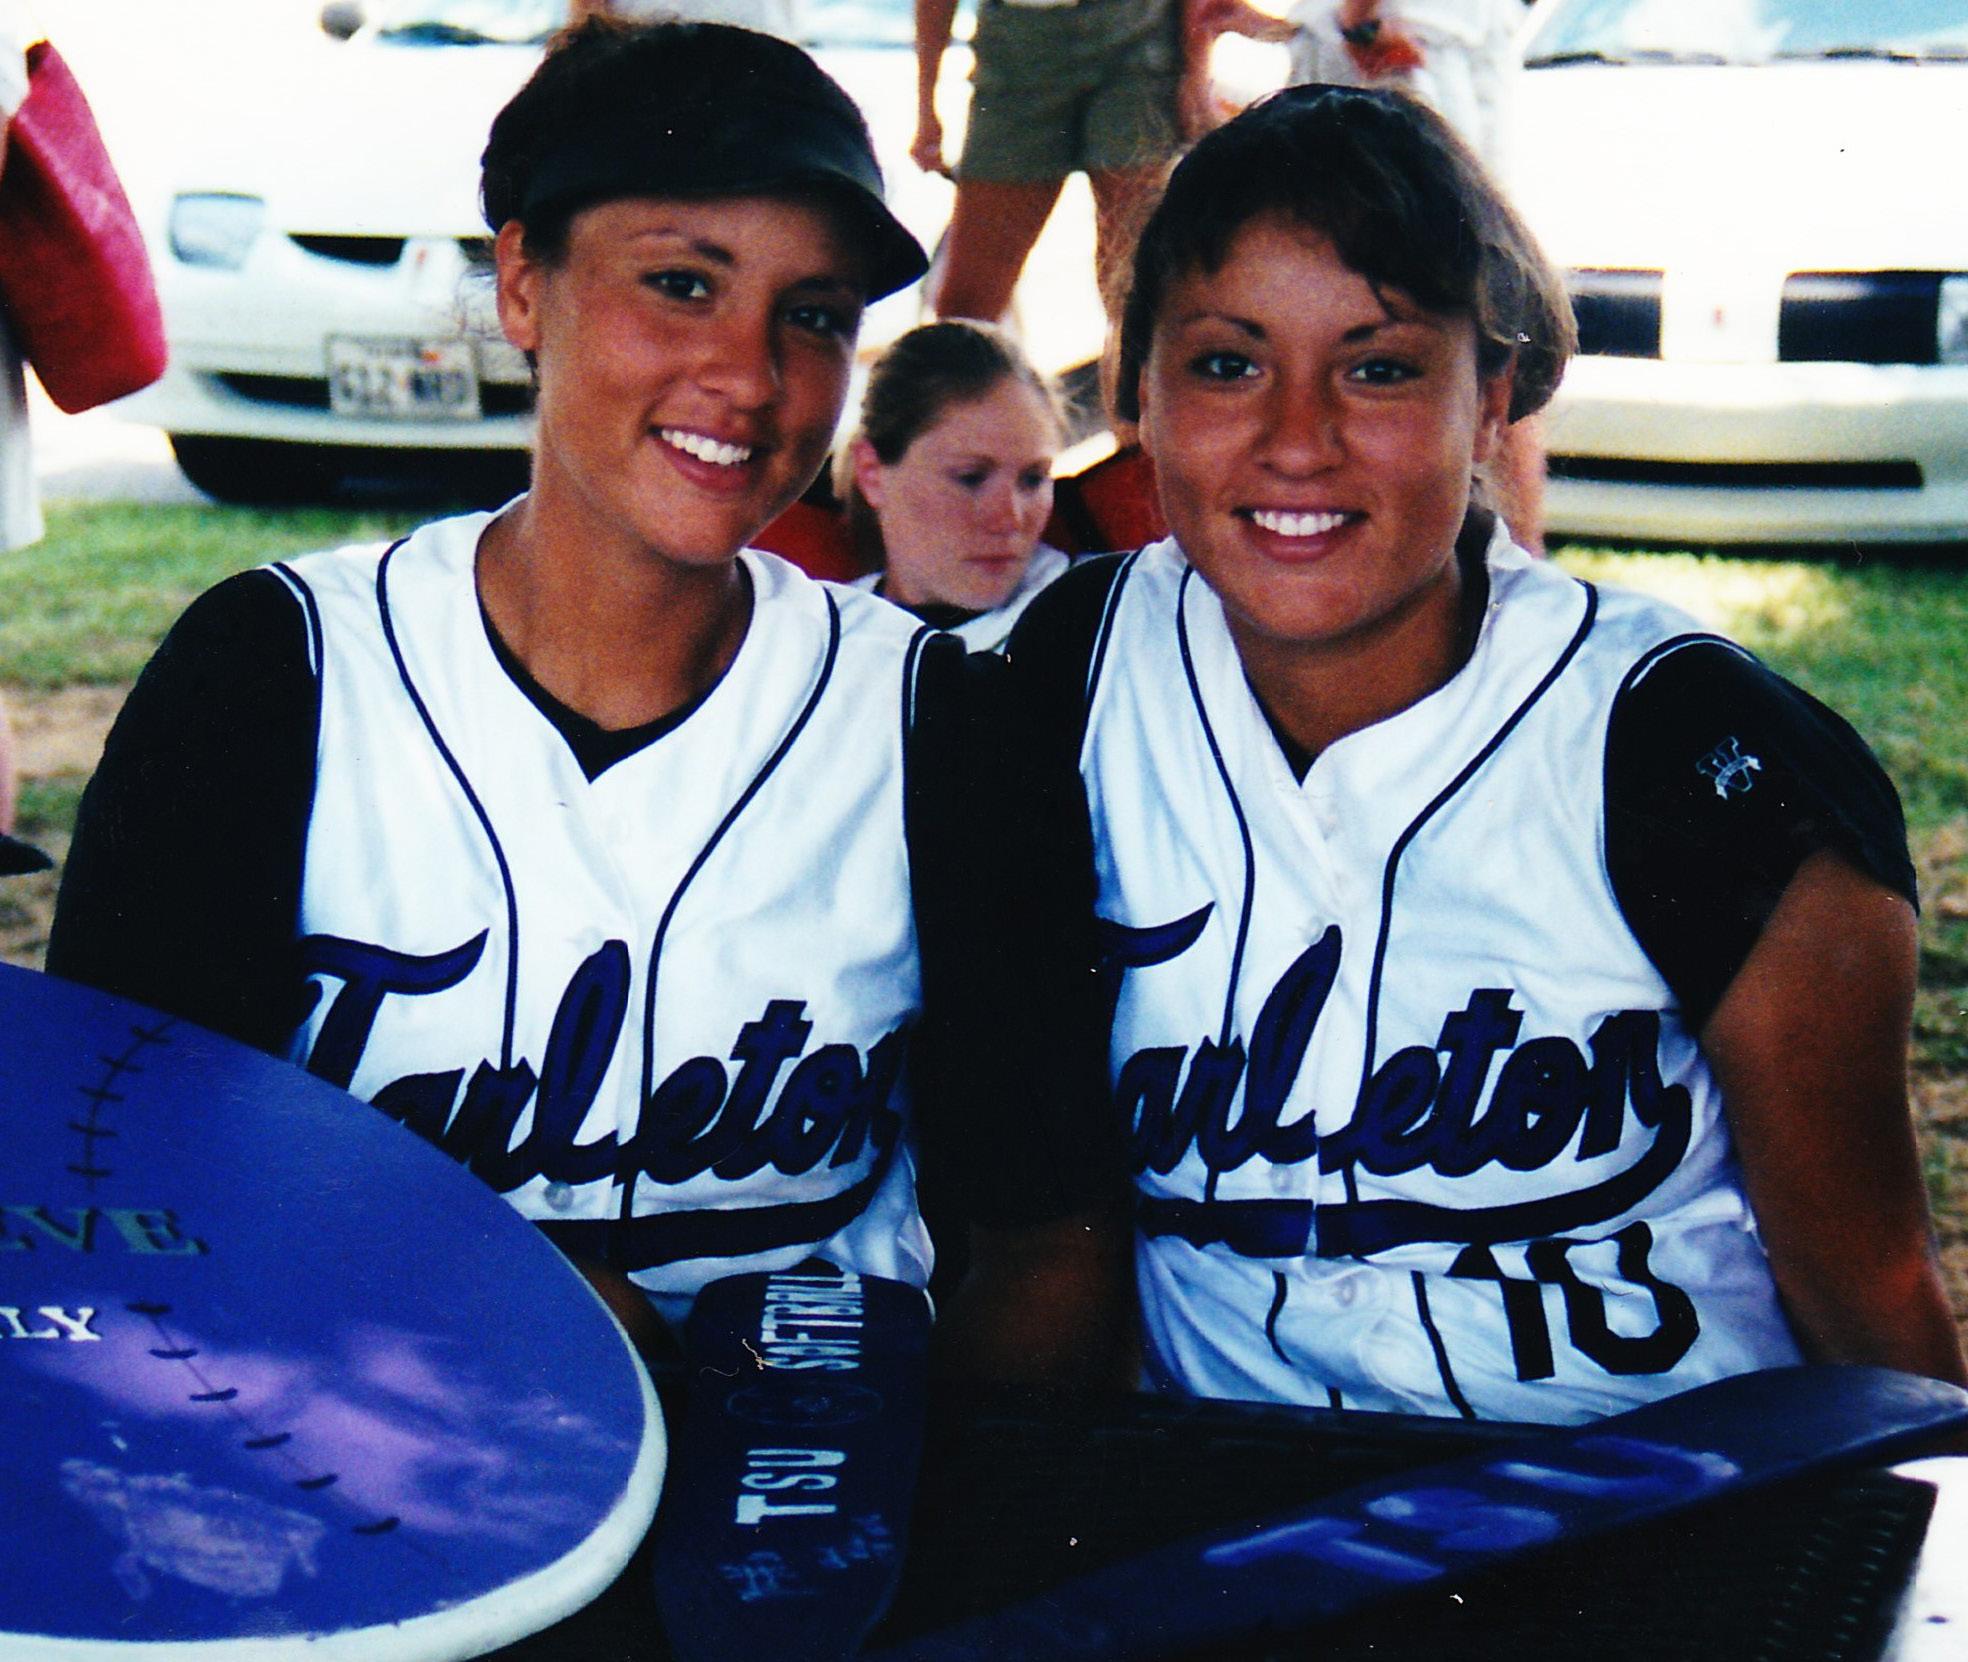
[[1721, 779], [1012, 1063], [182, 887]]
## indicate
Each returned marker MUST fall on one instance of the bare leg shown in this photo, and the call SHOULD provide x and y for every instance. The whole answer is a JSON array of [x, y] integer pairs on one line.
[[1517, 480], [992, 228], [1121, 200]]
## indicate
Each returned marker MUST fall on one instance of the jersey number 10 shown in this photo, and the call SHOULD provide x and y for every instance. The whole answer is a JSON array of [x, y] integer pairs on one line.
[[1549, 1262]]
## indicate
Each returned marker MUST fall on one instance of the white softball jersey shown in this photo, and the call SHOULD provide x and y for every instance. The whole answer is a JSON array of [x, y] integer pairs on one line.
[[664, 1010], [1416, 1123], [988, 631]]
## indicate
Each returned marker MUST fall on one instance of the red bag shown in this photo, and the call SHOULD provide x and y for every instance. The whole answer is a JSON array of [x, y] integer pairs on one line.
[[73, 272]]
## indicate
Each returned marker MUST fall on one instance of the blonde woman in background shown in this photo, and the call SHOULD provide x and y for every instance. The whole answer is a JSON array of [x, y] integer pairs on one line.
[[948, 480]]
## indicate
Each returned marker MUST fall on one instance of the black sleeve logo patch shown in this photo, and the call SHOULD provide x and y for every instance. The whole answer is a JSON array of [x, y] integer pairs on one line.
[[1728, 769]]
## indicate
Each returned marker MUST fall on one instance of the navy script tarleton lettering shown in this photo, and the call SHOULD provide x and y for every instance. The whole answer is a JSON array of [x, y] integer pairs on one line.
[[1423, 1108], [832, 1106]]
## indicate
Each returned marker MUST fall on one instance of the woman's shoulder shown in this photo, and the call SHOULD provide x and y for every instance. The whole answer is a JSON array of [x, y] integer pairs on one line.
[[1702, 705], [243, 652], [1721, 778], [1064, 619], [248, 621], [442, 549], [1048, 565], [1058, 628], [1537, 598], [856, 619]]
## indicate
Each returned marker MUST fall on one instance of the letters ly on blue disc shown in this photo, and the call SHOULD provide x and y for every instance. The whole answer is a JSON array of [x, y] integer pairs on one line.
[[275, 1373]]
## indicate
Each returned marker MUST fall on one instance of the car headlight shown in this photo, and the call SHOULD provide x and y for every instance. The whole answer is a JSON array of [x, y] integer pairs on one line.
[[215, 229], [1951, 322]]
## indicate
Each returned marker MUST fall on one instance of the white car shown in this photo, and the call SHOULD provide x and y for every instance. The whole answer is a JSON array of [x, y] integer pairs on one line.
[[1759, 204], [324, 270]]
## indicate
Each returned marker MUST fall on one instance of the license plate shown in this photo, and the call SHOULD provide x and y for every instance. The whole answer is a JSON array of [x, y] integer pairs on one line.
[[402, 379]]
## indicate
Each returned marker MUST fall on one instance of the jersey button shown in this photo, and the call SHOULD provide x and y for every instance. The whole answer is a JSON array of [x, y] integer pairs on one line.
[[559, 1196]]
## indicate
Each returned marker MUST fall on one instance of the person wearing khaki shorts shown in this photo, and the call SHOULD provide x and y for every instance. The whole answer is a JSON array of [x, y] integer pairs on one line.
[[1087, 86]]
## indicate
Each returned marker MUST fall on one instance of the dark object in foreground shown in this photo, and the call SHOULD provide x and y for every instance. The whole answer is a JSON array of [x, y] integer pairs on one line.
[[1022, 1491], [782, 1531], [18, 858], [302, 1384], [1021, 1495]]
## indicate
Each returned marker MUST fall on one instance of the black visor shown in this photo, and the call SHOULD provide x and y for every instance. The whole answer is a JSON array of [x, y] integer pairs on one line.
[[735, 147]]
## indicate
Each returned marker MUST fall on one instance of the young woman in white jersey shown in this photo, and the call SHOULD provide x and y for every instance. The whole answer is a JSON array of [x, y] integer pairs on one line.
[[613, 857], [947, 480], [1503, 984]]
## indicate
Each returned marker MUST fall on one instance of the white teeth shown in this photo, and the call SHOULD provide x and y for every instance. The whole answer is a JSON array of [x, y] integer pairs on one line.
[[1296, 525], [706, 449]]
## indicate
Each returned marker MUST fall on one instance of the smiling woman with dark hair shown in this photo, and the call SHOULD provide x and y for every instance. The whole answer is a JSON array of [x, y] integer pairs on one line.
[[1503, 982], [616, 858]]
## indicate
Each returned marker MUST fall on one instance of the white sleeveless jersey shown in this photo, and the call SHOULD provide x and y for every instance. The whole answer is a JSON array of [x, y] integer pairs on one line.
[[1417, 1126], [674, 995]]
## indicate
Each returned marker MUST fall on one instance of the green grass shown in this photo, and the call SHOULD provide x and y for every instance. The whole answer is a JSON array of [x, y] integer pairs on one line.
[[88, 603], [47, 807], [1886, 645]]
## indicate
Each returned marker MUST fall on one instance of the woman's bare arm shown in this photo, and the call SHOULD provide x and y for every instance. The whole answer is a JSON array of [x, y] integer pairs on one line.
[[1050, 1304], [1809, 1044], [934, 21]]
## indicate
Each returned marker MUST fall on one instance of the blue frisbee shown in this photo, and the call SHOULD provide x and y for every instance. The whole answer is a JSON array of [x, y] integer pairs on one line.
[[278, 1378]]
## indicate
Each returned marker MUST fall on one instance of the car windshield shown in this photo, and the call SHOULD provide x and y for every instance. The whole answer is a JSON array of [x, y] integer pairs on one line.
[[821, 23], [1749, 31], [847, 23], [468, 22]]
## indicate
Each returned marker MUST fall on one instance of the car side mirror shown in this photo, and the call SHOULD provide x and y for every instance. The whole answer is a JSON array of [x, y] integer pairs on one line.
[[341, 18]]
